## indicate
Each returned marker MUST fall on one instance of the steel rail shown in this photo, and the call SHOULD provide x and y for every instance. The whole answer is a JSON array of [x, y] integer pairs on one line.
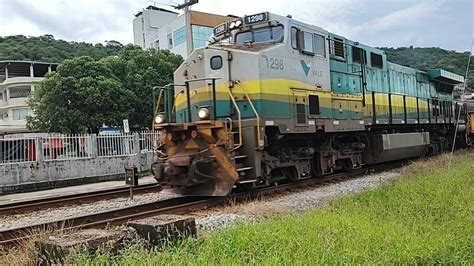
[[76, 198], [179, 205]]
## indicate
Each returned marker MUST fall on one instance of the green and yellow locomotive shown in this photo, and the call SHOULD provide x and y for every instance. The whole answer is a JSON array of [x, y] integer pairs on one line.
[[272, 99]]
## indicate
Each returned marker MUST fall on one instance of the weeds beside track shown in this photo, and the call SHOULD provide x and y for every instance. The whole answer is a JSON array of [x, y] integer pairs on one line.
[[424, 217]]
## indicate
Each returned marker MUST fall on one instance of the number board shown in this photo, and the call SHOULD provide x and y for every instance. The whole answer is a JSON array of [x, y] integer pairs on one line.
[[256, 18], [221, 29]]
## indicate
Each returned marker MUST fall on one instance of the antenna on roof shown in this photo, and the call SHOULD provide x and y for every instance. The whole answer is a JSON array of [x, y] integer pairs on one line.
[[187, 19], [186, 4]]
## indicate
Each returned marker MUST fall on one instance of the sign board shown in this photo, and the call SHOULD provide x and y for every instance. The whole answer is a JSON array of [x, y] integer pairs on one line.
[[221, 29], [260, 17], [126, 128], [131, 176]]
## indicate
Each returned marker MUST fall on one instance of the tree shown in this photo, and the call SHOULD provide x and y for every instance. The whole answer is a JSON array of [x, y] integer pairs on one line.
[[81, 96], [139, 71], [84, 93]]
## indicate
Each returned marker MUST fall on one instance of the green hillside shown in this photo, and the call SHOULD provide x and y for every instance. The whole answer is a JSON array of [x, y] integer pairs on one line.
[[48, 49]]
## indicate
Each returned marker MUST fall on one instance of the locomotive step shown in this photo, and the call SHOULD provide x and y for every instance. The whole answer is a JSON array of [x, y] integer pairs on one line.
[[244, 169], [237, 157], [247, 181]]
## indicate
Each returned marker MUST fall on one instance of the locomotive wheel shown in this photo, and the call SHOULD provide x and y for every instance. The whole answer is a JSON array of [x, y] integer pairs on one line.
[[290, 172]]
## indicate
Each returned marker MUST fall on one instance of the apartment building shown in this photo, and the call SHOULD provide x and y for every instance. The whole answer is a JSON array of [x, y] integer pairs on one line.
[[17, 82], [155, 27]]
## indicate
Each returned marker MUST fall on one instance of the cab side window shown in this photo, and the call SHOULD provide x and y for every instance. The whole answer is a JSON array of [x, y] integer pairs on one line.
[[307, 43], [319, 47], [216, 62], [313, 44], [294, 38]]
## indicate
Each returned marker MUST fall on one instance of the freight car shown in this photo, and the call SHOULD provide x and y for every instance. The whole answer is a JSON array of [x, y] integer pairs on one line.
[[271, 99]]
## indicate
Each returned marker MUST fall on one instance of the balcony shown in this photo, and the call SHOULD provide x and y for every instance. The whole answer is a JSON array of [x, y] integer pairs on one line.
[[21, 80], [10, 126]]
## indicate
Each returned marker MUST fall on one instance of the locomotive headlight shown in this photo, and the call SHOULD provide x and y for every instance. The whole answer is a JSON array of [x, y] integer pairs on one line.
[[235, 24], [159, 119], [203, 113]]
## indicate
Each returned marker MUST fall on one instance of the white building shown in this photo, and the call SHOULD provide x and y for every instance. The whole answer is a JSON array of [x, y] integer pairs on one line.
[[17, 81], [155, 27]]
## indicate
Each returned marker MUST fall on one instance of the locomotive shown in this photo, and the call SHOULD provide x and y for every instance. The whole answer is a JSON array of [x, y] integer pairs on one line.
[[271, 99]]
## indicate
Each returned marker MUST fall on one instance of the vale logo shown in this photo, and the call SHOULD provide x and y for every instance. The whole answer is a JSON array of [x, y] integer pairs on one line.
[[305, 66]]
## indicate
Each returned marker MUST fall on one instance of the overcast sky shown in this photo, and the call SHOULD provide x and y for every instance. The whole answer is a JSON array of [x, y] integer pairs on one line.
[[447, 24]]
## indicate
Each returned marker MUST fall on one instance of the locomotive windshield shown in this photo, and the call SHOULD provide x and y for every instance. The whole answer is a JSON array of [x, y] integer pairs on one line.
[[272, 34]]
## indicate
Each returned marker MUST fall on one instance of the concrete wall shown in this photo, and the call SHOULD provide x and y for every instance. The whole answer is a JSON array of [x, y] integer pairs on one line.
[[28, 176]]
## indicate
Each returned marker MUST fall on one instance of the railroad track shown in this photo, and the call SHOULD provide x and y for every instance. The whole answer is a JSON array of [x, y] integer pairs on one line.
[[79, 198], [179, 205]]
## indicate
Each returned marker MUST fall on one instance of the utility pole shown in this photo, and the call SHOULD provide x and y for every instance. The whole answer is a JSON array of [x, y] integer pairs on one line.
[[187, 19]]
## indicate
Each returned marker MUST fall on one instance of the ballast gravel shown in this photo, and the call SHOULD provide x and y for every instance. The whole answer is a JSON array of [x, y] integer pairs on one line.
[[291, 202], [61, 213], [217, 218]]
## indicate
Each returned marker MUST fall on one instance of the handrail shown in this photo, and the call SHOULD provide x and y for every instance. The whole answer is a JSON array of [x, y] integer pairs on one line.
[[254, 110], [230, 123], [157, 108], [240, 119], [469, 119]]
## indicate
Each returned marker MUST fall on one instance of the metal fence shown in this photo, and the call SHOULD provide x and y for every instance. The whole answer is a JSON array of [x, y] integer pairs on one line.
[[56, 147], [50, 147], [15, 150], [149, 140]]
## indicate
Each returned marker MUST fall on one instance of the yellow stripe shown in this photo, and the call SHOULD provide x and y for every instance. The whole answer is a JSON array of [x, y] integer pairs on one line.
[[282, 90]]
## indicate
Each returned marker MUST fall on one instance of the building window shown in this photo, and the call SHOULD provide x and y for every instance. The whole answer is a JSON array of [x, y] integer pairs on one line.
[[376, 60], [19, 114], [200, 35], [179, 36], [20, 92], [358, 54], [170, 41]]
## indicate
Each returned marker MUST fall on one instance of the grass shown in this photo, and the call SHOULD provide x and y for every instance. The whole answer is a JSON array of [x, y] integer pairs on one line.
[[423, 217]]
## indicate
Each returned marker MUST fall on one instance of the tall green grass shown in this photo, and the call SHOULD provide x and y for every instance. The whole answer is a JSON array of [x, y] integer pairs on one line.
[[425, 217]]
